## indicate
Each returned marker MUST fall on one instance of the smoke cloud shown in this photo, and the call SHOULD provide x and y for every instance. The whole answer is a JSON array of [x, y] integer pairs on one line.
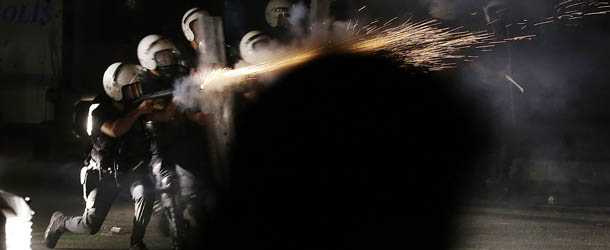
[[442, 9], [298, 13]]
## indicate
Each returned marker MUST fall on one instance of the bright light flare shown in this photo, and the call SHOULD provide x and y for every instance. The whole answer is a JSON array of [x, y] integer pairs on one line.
[[420, 44], [18, 233], [217, 79], [90, 119]]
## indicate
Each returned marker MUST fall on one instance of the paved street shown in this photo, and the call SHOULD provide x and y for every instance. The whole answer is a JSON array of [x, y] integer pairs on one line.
[[523, 221], [482, 226], [535, 227], [120, 216]]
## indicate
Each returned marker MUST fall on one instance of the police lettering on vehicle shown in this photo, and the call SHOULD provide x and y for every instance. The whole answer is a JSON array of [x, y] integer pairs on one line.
[[41, 12]]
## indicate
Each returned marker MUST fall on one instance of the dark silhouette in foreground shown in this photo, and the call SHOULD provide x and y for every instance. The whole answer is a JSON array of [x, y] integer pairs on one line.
[[350, 151]]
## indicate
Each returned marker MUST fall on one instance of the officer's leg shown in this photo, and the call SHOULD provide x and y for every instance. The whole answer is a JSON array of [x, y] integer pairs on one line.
[[142, 194], [198, 197], [165, 175], [98, 203]]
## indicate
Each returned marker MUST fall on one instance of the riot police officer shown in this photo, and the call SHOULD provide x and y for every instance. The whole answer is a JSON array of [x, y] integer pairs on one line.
[[172, 133], [118, 159]]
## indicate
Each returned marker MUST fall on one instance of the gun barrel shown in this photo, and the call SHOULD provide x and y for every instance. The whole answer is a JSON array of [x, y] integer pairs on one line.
[[157, 95]]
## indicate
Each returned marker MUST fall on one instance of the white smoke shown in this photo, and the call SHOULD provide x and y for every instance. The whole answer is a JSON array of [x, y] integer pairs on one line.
[[186, 93], [442, 9], [298, 13]]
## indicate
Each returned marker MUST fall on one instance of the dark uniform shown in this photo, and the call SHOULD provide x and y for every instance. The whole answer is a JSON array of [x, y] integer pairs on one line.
[[114, 164], [176, 146]]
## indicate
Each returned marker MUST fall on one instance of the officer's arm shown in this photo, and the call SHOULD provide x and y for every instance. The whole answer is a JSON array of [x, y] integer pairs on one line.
[[164, 114], [121, 126]]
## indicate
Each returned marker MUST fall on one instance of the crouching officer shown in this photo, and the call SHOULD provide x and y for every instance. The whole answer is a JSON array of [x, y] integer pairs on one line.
[[118, 160]]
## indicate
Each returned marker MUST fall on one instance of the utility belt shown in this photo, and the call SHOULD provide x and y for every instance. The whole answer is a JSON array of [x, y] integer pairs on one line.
[[92, 174], [93, 169]]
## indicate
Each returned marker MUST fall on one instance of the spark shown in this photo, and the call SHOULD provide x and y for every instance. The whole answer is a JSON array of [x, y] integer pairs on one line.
[[497, 42], [541, 23], [596, 13], [362, 8], [390, 21], [562, 3], [510, 79], [574, 5], [517, 38], [420, 44]]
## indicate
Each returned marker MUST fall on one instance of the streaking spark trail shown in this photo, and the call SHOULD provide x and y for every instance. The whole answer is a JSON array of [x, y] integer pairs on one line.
[[421, 44]]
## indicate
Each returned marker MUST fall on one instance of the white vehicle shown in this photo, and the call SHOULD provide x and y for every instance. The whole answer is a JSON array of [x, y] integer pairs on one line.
[[15, 222]]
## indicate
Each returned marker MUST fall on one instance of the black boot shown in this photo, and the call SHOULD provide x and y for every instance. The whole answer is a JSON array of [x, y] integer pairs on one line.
[[173, 213], [55, 229], [138, 246]]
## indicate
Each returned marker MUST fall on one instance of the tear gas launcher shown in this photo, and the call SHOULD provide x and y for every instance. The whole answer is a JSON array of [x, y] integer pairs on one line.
[[163, 95]]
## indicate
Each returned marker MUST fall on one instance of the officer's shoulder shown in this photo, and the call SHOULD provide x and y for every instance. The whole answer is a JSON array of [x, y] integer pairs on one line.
[[103, 106]]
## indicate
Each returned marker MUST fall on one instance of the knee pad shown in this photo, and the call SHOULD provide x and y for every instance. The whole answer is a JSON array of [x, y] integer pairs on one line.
[[169, 183]]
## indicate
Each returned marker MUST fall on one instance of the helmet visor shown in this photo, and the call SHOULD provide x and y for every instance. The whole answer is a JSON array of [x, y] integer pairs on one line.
[[165, 57], [132, 91]]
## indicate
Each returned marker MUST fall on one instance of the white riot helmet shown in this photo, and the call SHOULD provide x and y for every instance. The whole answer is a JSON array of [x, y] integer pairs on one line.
[[187, 21], [157, 51], [122, 81], [278, 12], [252, 45]]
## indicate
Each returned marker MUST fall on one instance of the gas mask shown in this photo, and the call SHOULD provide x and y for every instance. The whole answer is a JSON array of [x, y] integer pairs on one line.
[[167, 64], [282, 18], [277, 13], [131, 92]]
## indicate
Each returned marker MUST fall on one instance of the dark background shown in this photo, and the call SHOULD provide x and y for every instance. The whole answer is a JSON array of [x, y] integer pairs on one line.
[[552, 138]]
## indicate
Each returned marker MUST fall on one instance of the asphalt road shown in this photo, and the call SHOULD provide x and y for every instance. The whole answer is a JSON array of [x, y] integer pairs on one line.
[[496, 226], [55, 186], [480, 226], [523, 222], [120, 216]]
